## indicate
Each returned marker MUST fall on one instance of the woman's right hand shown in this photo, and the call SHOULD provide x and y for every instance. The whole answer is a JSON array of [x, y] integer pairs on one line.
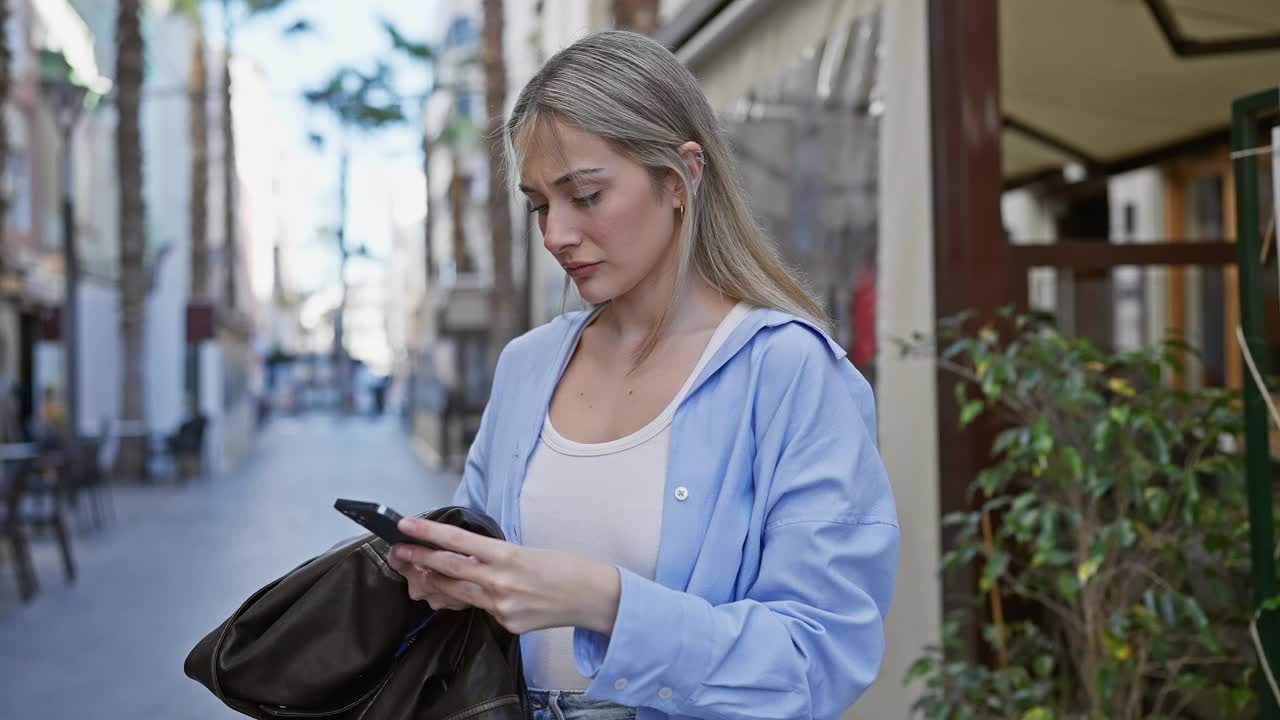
[[422, 584]]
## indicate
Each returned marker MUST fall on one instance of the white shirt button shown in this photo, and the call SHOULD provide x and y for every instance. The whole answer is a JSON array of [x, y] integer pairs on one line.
[[682, 493], [665, 693], [621, 684]]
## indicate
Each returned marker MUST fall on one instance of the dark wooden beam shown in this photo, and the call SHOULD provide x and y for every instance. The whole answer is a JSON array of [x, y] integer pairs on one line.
[[1188, 47], [1085, 255], [1051, 141], [1191, 145], [971, 256]]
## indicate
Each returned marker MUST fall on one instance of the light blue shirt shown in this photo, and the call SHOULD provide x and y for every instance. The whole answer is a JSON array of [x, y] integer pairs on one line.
[[779, 533]]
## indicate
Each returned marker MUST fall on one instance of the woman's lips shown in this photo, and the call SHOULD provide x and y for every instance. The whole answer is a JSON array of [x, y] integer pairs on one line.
[[578, 271]]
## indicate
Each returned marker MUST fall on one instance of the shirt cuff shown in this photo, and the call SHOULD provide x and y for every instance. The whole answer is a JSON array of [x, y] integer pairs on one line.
[[657, 651]]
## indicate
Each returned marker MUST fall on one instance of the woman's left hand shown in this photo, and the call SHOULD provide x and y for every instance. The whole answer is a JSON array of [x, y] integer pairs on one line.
[[523, 588]]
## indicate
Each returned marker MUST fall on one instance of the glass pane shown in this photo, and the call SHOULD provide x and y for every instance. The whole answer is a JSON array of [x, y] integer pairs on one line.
[[807, 148]]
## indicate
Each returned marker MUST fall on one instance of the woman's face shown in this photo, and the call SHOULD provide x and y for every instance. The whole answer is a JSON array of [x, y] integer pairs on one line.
[[600, 213]]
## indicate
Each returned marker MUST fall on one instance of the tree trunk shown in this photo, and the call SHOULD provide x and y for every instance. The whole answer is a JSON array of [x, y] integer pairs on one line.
[[4, 117], [458, 212], [198, 119], [502, 301], [636, 15], [229, 247], [131, 456], [341, 359], [430, 267]]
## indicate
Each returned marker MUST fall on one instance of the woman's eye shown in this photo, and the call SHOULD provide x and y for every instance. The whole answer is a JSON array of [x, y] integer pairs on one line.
[[539, 209], [587, 200]]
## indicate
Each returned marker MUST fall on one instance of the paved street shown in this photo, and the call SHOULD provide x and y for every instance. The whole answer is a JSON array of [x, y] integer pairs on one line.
[[178, 560]]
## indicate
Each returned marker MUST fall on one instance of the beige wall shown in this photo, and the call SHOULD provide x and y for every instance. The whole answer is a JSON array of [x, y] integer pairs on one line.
[[753, 39], [907, 390]]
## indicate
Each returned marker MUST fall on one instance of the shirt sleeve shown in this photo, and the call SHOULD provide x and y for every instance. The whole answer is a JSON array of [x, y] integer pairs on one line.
[[808, 637]]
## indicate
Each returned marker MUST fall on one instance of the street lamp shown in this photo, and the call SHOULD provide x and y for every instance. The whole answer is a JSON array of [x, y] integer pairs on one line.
[[65, 98]]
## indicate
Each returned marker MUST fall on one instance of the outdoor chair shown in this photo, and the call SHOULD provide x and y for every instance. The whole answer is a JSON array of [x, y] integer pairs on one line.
[[33, 506], [86, 476], [14, 479], [186, 448]]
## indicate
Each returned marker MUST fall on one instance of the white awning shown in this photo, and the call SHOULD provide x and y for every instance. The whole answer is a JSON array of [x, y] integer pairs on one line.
[[750, 41]]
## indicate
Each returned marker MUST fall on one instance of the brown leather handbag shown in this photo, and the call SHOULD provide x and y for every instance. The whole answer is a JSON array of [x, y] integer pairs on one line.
[[339, 638]]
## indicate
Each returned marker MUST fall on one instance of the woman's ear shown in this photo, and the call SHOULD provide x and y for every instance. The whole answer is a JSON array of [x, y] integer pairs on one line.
[[691, 153]]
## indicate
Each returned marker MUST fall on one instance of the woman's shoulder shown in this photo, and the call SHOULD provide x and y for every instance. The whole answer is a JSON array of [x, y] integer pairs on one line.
[[782, 340], [545, 340]]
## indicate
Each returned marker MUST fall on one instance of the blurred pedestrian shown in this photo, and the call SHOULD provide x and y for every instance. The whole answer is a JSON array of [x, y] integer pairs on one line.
[[51, 422], [700, 524]]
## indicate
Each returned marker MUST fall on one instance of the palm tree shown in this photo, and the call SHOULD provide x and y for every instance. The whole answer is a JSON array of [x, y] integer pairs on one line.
[[198, 130], [131, 455], [424, 53], [362, 103], [502, 302], [4, 102]]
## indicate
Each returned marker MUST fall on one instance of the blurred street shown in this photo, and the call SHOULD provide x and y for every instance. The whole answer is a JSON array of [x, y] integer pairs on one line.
[[178, 559]]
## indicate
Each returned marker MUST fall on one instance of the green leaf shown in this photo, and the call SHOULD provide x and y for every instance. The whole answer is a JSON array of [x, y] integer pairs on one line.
[[1005, 439], [417, 50], [1074, 462], [970, 411], [1107, 683], [1125, 532], [993, 570], [1038, 712], [1088, 569], [1241, 698], [1044, 666], [1157, 502], [918, 669], [257, 6], [1067, 585], [1190, 681]]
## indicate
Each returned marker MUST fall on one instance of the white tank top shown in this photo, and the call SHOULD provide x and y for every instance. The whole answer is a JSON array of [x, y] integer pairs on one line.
[[603, 501]]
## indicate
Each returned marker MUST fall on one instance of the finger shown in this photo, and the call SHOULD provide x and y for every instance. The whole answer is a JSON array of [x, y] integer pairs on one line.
[[449, 537], [399, 565], [442, 562], [465, 592]]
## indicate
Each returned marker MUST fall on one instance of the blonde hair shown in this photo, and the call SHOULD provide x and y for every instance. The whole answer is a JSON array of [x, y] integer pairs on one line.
[[633, 93]]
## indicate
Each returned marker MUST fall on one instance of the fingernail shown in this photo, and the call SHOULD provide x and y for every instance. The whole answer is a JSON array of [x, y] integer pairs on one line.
[[404, 553]]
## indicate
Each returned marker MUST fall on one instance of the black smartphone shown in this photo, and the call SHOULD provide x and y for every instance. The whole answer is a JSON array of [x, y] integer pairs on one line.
[[378, 519]]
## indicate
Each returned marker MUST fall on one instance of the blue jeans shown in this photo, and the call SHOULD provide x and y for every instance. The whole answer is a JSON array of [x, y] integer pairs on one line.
[[567, 705]]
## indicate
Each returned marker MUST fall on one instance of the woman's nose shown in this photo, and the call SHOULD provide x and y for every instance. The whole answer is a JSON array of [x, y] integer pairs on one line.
[[559, 236]]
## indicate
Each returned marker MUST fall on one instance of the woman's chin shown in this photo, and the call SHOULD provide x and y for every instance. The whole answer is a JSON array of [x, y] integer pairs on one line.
[[594, 292]]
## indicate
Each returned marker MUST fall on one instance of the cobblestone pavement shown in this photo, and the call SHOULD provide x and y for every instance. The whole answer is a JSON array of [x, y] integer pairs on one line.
[[178, 559]]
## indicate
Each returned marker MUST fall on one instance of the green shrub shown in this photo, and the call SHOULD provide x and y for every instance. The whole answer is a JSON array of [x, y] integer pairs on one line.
[[1115, 510]]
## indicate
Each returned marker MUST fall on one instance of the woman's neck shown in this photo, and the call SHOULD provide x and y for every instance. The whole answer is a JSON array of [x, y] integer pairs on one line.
[[631, 317]]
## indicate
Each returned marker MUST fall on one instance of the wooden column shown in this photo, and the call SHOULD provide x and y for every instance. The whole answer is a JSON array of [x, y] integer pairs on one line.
[[972, 261]]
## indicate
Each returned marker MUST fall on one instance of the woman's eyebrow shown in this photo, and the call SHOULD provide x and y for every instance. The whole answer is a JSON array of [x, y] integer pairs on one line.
[[571, 176]]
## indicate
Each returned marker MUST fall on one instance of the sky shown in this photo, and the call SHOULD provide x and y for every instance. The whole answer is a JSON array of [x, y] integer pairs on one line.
[[385, 184]]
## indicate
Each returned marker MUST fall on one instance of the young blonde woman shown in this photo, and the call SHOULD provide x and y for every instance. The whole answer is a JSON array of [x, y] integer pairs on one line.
[[700, 524]]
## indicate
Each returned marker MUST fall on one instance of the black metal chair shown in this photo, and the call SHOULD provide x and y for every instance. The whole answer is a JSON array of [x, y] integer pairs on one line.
[[34, 505], [86, 476], [186, 448], [14, 478]]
